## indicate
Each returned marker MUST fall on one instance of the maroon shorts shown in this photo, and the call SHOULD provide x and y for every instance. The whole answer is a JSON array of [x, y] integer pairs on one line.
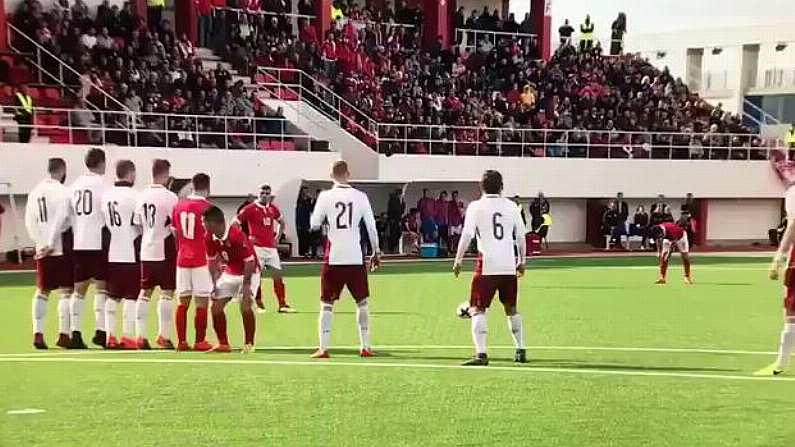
[[123, 280], [90, 264], [54, 272], [333, 278], [161, 274], [484, 287]]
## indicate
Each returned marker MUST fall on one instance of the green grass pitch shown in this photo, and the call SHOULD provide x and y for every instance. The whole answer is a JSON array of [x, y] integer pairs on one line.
[[615, 361]]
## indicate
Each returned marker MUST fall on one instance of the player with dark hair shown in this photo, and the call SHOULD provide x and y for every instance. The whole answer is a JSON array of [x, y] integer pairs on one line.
[[158, 255], [342, 209], [193, 274], [265, 226], [235, 272], [667, 236], [500, 232], [46, 202], [118, 207]]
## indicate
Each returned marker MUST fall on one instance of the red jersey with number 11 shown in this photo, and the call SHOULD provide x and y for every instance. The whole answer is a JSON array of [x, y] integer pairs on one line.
[[189, 226]]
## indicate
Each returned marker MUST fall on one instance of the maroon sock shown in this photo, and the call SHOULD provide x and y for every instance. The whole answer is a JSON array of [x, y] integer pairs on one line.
[[249, 326], [219, 324], [200, 323], [686, 264], [258, 298], [278, 290]]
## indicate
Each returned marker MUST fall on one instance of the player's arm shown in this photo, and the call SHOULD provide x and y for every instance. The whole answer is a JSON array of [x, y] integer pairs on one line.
[[466, 237], [372, 232], [30, 218], [62, 221], [520, 230], [319, 214], [784, 247]]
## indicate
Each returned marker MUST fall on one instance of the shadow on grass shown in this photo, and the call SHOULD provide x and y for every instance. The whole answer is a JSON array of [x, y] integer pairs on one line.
[[334, 352]]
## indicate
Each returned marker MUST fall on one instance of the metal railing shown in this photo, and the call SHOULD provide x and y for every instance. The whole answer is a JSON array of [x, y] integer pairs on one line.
[[758, 115], [44, 61], [470, 38], [386, 138], [293, 17], [125, 128]]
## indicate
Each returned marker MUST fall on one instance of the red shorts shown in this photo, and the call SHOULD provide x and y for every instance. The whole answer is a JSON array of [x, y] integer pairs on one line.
[[333, 278], [90, 264], [484, 287], [54, 272], [123, 280]]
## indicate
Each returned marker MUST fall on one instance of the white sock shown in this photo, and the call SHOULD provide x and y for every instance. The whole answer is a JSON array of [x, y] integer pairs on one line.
[[141, 317], [787, 345], [76, 311], [324, 323], [517, 330], [99, 309], [64, 316], [362, 319], [165, 315], [128, 325], [110, 316], [39, 312], [480, 331]]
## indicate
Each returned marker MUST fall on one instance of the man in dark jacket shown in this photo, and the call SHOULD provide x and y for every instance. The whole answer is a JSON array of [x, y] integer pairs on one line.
[[538, 207], [303, 211]]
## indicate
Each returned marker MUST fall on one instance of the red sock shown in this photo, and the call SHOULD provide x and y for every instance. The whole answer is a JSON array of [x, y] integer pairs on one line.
[[200, 323], [663, 267], [249, 326], [182, 322], [258, 298], [686, 264], [278, 290], [219, 324]]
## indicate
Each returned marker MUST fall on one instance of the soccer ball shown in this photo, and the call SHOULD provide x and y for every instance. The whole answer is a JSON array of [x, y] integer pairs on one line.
[[463, 310]]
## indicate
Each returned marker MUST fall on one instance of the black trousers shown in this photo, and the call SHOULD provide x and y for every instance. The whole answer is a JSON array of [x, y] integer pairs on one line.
[[304, 241], [24, 130]]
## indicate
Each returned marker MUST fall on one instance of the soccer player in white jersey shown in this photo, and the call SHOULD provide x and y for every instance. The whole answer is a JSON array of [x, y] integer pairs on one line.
[[90, 247], [48, 200], [118, 207], [497, 224], [158, 255], [786, 246], [341, 209]]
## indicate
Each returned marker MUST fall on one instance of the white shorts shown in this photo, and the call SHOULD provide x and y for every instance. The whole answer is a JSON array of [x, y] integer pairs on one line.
[[268, 257], [683, 245], [455, 230], [195, 281], [231, 286]]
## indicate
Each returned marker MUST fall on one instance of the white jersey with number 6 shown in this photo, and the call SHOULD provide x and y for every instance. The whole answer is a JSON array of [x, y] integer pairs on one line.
[[497, 224], [118, 207], [342, 208], [153, 214], [47, 215], [87, 218]]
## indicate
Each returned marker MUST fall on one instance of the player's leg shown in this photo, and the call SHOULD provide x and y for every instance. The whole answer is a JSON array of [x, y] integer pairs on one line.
[[665, 256], [64, 317], [270, 259], [258, 300], [787, 341], [331, 284], [39, 316], [508, 289], [100, 300], [111, 308], [128, 326], [482, 292], [248, 317], [683, 245], [202, 289], [184, 292], [165, 318], [219, 322], [82, 278], [142, 318], [360, 290]]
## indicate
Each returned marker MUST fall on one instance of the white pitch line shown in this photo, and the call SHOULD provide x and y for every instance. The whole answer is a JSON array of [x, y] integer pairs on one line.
[[422, 347], [392, 365], [26, 411]]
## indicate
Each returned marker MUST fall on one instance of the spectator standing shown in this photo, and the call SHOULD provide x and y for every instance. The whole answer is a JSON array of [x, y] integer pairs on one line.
[[427, 209], [623, 214], [619, 28], [441, 216], [395, 209], [303, 212], [586, 34], [411, 233], [23, 115], [205, 10], [455, 218], [791, 140], [565, 33], [658, 210], [155, 13], [538, 208], [610, 223]]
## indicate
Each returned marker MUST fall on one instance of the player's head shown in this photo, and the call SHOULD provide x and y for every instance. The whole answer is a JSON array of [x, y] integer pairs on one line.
[[491, 182], [95, 161], [214, 221], [265, 196], [161, 171], [201, 184], [620, 195], [340, 172], [125, 171], [56, 167]]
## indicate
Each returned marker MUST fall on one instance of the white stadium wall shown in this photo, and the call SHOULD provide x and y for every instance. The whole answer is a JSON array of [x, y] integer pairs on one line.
[[234, 174], [741, 219]]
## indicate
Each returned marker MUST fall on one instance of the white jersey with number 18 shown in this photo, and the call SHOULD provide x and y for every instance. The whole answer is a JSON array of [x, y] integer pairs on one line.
[[153, 214], [87, 218], [497, 224], [343, 208]]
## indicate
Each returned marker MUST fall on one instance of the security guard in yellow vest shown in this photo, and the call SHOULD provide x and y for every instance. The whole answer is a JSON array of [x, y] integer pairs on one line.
[[23, 114], [155, 13], [586, 34], [791, 137], [336, 13]]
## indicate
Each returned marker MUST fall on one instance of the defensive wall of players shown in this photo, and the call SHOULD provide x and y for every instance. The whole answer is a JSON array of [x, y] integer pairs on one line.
[[742, 198]]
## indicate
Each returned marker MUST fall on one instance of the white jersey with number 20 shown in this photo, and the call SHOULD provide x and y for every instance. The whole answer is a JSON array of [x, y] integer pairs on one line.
[[342, 208], [497, 224]]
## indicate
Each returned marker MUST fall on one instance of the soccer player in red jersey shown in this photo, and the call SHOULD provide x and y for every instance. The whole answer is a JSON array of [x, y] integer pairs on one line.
[[237, 279], [787, 246], [668, 235], [193, 274], [342, 209], [265, 227]]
